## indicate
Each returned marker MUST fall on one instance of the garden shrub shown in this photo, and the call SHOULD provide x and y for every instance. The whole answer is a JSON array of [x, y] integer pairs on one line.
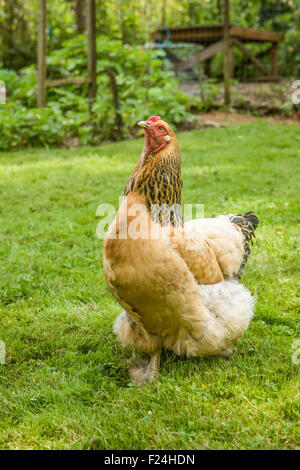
[[145, 85]]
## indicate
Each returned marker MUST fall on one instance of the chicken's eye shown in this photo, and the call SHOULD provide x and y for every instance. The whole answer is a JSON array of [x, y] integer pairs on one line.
[[161, 129]]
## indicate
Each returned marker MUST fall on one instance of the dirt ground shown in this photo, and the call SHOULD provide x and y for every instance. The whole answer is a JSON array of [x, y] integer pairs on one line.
[[235, 117], [249, 101]]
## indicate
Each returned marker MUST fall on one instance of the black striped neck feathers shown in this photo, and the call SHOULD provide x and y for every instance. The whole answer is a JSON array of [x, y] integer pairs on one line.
[[158, 179]]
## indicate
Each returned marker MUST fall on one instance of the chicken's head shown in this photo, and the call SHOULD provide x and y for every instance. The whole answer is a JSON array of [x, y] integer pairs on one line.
[[158, 134]]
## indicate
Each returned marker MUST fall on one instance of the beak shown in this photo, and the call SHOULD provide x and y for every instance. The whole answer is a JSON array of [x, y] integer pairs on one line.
[[144, 124]]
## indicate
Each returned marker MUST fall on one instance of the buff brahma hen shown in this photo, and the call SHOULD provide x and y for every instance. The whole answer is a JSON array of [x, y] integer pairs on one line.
[[177, 282]]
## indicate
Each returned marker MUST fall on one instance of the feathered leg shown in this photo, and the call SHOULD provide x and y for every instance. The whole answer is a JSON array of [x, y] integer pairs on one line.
[[132, 334], [153, 366], [226, 354], [137, 369]]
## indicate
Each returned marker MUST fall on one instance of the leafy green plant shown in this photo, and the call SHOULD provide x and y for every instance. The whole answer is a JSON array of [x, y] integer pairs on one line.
[[145, 87], [209, 90]]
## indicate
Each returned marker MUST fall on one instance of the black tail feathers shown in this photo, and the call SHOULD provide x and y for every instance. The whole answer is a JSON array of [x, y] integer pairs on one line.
[[251, 217], [247, 222]]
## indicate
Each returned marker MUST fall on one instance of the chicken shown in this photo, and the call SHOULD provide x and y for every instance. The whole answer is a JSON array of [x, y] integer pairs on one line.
[[177, 282]]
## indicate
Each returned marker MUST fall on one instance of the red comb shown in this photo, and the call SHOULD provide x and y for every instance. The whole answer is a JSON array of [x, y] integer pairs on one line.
[[154, 119]]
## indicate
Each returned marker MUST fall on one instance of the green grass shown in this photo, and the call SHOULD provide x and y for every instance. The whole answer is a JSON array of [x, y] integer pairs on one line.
[[65, 384]]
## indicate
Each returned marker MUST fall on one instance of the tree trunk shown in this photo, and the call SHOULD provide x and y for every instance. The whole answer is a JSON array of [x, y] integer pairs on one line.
[[79, 16], [163, 12]]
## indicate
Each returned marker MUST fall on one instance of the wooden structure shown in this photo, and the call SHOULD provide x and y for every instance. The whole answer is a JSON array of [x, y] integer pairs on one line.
[[213, 37], [224, 37], [90, 79], [212, 33]]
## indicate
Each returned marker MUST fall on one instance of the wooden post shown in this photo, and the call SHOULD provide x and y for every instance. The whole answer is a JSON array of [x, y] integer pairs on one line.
[[274, 60], [226, 54], [200, 80], [79, 16], [231, 60], [118, 119], [207, 67], [163, 12], [92, 55], [42, 70]]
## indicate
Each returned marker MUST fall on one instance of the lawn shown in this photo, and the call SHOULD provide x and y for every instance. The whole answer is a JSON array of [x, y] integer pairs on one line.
[[65, 384]]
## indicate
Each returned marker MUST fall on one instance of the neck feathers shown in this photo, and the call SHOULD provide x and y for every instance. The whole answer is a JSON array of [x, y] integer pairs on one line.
[[158, 179]]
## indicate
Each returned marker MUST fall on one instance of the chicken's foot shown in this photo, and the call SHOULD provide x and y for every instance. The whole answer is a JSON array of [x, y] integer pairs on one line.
[[142, 371], [153, 366], [226, 354], [137, 369]]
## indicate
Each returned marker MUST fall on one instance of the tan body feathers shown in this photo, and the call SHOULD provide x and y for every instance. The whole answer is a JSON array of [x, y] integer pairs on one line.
[[176, 288]]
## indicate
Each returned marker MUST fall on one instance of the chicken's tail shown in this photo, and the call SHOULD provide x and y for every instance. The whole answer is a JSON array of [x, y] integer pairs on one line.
[[229, 306], [247, 222]]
